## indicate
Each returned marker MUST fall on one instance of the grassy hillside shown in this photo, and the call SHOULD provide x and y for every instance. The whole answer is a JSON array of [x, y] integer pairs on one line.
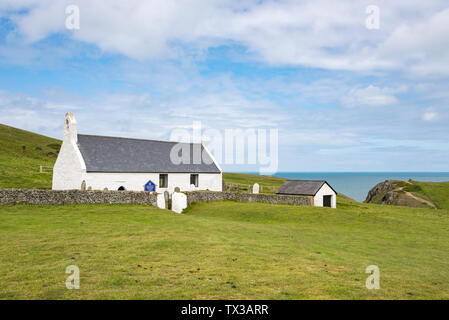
[[224, 250], [269, 184], [437, 192], [21, 154], [244, 178]]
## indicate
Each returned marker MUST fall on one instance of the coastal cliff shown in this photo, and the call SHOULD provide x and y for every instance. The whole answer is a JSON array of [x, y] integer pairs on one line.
[[400, 193]]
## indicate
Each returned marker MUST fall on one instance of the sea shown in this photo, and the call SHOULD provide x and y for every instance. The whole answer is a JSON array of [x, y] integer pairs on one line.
[[357, 184]]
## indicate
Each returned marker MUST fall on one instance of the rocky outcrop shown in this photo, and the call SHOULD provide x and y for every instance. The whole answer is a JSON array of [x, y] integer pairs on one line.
[[382, 193], [398, 193]]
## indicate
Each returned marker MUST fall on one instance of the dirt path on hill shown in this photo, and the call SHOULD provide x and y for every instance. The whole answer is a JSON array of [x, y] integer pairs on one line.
[[411, 195], [420, 199]]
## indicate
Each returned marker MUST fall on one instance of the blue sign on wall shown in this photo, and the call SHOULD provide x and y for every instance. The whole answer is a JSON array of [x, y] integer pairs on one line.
[[150, 186]]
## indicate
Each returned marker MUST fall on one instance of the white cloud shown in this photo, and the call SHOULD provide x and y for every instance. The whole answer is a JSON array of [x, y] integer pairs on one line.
[[319, 33], [422, 46], [430, 116], [139, 115], [371, 96]]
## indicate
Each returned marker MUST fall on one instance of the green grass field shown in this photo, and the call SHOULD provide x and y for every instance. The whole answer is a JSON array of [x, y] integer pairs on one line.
[[224, 250], [21, 154], [214, 250]]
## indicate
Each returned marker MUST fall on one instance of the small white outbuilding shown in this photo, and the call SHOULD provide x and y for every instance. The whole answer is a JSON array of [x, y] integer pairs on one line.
[[321, 191], [117, 163]]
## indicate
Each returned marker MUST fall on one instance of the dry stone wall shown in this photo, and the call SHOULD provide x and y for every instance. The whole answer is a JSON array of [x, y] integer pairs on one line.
[[207, 196], [60, 197]]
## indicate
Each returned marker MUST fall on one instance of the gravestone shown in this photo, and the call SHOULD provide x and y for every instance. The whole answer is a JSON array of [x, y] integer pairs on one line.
[[89, 188], [223, 185], [230, 188], [192, 187], [83, 185], [177, 189], [160, 201], [167, 199], [238, 188], [105, 189], [179, 202], [249, 189], [256, 188]]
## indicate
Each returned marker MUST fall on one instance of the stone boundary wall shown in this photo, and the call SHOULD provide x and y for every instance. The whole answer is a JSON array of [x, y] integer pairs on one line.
[[206, 196], [60, 197]]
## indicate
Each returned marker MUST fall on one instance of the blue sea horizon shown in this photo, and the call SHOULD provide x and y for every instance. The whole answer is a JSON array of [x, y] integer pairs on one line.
[[357, 184]]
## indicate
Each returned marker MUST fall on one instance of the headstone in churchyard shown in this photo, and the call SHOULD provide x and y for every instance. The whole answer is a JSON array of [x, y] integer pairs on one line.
[[178, 202], [223, 185], [177, 189], [167, 199], [249, 189], [238, 188], [160, 201], [105, 189], [256, 188], [89, 188], [192, 187], [83, 185], [230, 188]]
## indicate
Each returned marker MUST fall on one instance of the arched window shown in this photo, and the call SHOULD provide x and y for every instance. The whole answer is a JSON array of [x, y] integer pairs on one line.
[[121, 188]]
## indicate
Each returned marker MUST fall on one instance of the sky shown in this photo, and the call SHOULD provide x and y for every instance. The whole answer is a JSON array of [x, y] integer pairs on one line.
[[343, 97]]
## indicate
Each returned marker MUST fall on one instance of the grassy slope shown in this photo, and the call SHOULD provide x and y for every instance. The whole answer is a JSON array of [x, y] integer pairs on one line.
[[437, 192], [20, 169], [224, 250], [244, 178]]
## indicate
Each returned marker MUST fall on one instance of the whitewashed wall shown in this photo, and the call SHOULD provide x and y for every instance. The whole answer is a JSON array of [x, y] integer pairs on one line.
[[136, 181], [325, 191]]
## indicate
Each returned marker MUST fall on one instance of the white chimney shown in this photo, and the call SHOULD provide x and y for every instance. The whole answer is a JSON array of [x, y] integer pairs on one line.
[[70, 131]]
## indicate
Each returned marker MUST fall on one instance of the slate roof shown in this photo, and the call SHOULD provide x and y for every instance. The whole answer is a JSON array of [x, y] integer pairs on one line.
[[302, 187], [113, 154]]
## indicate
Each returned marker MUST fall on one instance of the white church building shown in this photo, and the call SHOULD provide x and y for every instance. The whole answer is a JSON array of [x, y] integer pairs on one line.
[[98, 162]]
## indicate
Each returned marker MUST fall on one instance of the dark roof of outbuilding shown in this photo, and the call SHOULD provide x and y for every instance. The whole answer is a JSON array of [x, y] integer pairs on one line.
[[302, 187], [112, 154]]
